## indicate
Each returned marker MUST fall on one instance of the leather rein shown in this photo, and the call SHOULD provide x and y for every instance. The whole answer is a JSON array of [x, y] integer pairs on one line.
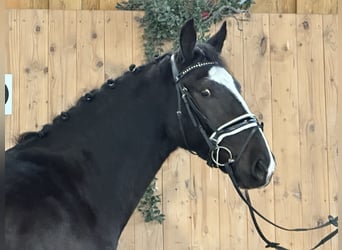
[[235, 126]]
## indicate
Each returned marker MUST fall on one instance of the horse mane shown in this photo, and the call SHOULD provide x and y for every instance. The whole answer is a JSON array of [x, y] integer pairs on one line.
[[29, 136]]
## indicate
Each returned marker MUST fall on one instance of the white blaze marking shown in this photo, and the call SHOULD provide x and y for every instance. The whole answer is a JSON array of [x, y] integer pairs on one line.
[[221, 76]]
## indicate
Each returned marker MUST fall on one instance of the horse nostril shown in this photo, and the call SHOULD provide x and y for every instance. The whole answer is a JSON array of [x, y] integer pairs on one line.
[[259, 170]]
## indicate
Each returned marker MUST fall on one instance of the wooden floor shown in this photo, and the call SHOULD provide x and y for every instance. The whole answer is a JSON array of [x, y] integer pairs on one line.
[[287, 65]]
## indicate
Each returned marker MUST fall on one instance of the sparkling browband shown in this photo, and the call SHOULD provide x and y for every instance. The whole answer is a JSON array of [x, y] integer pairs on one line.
[[178, 76], [195, 66]]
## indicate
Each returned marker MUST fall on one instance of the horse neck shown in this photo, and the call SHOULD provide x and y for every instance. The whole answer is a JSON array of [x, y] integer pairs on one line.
[[121, 141]]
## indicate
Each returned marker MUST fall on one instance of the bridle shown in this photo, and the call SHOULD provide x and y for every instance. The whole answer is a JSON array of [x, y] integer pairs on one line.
[[237, 125], [199, 120]]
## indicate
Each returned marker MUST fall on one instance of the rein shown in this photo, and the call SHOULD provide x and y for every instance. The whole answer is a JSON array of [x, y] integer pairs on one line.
[[269, 244], [235, 126]]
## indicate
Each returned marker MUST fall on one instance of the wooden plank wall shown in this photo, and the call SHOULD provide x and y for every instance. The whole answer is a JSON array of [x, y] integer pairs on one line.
[[63, 4], [287, 65], [260, 6], [295, 6]]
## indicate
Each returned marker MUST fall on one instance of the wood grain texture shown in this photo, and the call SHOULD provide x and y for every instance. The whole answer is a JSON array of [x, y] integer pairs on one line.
[[118, 42], [260, 6], [13, 4], [317, 6], [287, 186], [65, 4], [90, 50], [34, 84], [330, 28], [176, 201], [90, 4], [274, 6], [62, 60], [12, 122], [108, 4], [203, 190], [339, 112], [27, 4], [312, 126]]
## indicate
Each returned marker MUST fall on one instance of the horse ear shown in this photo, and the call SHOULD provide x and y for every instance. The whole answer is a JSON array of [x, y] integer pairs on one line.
[[187, 40], [217, 40]]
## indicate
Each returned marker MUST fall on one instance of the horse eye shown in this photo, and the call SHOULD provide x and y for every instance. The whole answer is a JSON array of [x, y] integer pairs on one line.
[[205, 92]]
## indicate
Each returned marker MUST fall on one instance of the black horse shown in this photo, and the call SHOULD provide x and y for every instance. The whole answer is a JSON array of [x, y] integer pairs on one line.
[[74, 184]]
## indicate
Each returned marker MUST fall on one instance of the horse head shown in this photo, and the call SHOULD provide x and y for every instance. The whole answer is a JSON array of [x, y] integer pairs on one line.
[[214, 120]]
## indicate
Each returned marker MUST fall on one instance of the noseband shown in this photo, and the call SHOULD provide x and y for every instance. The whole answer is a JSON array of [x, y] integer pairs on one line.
[[237, 125]]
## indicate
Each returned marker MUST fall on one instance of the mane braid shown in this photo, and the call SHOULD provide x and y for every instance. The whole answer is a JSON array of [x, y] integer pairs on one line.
[[110, 83]]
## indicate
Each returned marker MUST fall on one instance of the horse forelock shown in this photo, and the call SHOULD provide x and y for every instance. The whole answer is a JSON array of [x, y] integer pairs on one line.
[[210, 54]]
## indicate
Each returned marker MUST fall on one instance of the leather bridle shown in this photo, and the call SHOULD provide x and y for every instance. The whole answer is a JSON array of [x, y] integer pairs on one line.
[[237, 125], [199, 120]]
